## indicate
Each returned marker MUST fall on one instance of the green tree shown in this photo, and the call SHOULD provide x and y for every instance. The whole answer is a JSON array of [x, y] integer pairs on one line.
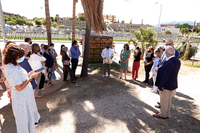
[[83, 28], [131, 30], [43, 21], [81, 18], [38, 22], [62, 26], [122, 21], [118, 20], [186, 25], [130, 21], [55, 25], [35, 18], [184, 31], [52, 19], [56, 19], [146, 37], [20, 21], [78, 27], [6, 18], [187, 50], [168, 32], [150, 25], [11, 22], [29, 23], [69, 18]]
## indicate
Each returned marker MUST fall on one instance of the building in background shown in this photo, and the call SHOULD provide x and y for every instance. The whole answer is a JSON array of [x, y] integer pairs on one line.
[[9, 14], [163, 29], [111, 18], [169, 25], [126, 27], [68, 23]]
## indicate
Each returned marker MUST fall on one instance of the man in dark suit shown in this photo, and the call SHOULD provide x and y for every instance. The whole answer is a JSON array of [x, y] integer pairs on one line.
[[163, 59], [167, 82]]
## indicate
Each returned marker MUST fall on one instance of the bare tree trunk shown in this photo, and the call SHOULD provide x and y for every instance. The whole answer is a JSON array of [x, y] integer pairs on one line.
[[187, 51], [4, 34], [84, 71], [73, 22], [48, 23]]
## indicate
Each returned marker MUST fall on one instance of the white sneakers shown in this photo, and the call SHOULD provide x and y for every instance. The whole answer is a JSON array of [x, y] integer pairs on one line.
[[104, 76]]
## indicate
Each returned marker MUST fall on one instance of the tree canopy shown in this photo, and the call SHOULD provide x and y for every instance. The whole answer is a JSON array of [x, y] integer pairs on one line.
[[186, 25], [55, 25], [168, 32], [81, 18]]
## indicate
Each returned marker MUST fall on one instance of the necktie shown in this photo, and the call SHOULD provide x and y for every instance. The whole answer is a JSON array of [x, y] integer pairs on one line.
[[162, 60]]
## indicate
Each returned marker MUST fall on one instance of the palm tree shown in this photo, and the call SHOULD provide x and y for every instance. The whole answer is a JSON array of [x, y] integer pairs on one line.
[[187, 50], [146, 38], [48, 23], [74, 19], [93, 10]]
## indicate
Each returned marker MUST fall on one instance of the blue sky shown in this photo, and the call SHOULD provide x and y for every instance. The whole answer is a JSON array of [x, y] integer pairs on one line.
[[172, 10]]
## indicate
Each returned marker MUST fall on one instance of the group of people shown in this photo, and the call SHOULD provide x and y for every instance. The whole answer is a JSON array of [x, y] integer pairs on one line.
[[163, 62], [25, 69]]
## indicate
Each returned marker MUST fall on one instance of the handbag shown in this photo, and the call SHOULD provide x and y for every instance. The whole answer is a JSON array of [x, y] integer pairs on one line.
[[66, 62]]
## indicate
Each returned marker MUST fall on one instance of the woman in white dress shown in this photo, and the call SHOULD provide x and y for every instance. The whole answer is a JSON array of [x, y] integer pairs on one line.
[[23, 102], [35, 62]]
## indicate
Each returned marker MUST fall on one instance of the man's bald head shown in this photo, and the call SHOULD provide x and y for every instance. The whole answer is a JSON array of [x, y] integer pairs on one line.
[[170, 51], [26, 47]]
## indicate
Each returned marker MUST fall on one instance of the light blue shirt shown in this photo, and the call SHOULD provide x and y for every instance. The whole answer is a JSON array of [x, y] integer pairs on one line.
[[74, 53], [107, 53]]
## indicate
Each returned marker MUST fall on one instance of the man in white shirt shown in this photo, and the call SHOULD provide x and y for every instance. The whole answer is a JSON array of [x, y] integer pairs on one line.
[[42, 49], [107, 55]]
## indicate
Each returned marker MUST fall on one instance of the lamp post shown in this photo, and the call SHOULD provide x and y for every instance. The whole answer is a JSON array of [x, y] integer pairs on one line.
[[159, 19], [4, 34]]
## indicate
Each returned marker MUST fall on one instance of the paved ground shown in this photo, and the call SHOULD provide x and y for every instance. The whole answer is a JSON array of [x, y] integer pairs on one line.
[[97, 104]]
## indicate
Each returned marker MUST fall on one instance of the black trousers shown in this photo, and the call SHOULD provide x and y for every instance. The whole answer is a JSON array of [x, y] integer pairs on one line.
[[66, 71], [74, 66], [147, 70], [41, 85]]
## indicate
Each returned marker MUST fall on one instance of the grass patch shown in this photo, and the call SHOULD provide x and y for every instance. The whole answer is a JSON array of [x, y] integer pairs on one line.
[[192, 64], [120, 40], [114, 67]]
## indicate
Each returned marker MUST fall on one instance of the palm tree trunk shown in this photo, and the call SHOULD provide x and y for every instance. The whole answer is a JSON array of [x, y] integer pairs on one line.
[[48, 23], [187, 51], [73, 21], [84, 71]]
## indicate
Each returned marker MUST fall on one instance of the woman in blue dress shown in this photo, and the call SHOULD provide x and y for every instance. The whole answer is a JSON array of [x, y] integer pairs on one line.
[[23, 101]]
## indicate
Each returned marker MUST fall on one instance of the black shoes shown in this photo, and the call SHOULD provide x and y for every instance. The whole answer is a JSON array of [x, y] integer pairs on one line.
[[145, 81], [157, 106]]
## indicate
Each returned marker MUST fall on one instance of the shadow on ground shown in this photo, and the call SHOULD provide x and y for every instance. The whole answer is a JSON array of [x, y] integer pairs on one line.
[[96, 104]]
